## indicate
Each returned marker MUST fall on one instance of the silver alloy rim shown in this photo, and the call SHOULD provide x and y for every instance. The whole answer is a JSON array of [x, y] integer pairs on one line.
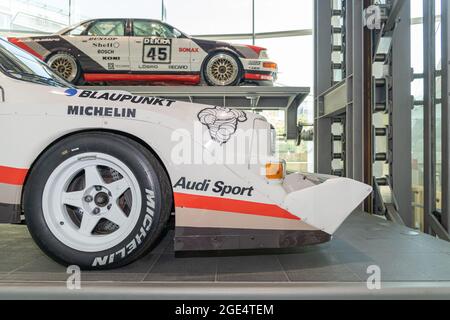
[[222, 69], [95, 215], [64, 65]]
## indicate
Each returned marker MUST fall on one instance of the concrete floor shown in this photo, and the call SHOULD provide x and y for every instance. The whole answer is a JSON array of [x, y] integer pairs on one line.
[[362, 241]]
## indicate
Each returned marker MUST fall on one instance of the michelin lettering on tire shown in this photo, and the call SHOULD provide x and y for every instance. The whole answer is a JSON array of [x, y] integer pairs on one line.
[[138, 238]]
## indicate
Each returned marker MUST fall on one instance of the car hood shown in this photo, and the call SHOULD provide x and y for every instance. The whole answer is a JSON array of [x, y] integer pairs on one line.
[[244, 51], [176, 113]]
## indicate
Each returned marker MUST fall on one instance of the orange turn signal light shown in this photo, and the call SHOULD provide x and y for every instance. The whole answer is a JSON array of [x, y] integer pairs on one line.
[[275, 171], [270, 65]]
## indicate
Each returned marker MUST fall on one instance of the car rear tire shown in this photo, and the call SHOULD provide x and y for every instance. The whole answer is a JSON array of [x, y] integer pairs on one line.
[[66, 66], [97, 200], [222, 69]]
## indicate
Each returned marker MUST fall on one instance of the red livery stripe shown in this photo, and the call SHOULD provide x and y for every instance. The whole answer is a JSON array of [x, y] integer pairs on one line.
[[23, 46], [256, 48], [258, 76], [142, 77], [13, 176], [230, 205]]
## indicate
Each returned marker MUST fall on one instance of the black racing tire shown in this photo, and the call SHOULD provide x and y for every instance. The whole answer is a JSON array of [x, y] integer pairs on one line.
[[210, 81], [149, 174], [78, 76]]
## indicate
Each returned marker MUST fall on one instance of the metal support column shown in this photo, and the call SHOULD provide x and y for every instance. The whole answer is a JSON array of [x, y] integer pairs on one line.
[[323, 78], [445, 25], [429, 113], [401, 113], [358, 90], [349, 79], [367, 110]]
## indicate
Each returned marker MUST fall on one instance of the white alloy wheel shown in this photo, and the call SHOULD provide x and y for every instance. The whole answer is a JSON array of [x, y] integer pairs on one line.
[[91, 202], [64, 65], [222, 70]]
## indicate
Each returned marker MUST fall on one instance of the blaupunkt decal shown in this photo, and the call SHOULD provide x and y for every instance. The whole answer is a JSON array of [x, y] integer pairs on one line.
[[121, 97]]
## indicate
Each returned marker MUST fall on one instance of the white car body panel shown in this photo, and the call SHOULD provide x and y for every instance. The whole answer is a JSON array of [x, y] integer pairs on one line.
[[218, 205]]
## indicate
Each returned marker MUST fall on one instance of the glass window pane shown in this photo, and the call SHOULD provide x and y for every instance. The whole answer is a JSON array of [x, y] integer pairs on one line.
[[139, 9], [438, 38], [417, 115], [417, 8], [417, 89], [107, 28], [142, 28], [197, 17], [417, 47], [295, 56], [417, 165], [438, 157], [283, 15]]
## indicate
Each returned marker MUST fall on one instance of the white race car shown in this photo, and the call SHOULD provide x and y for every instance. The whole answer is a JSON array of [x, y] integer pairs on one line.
[[138, 50], [98, 174]]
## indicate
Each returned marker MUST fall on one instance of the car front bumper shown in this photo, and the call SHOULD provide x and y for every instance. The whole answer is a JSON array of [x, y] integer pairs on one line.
[[314, 205]]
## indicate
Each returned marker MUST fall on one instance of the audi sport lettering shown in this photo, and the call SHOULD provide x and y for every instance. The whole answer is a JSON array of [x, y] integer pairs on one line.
[[218, 187]]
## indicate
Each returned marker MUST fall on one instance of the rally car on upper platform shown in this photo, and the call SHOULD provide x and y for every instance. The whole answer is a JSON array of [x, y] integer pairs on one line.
[[97, 174], [151, 51]]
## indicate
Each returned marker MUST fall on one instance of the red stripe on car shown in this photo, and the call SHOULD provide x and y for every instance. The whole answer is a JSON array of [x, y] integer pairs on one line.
[[256, 48], [258, 76], [141, 77], [14, 176], [184, 200], [22, 45]]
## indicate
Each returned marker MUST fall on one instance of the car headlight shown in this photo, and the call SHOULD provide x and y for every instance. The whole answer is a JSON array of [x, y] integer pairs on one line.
[[270, 65], [263, 54], [275, 171]]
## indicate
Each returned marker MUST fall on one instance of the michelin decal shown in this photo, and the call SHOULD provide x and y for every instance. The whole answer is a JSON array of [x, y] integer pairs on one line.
[[91, 111]]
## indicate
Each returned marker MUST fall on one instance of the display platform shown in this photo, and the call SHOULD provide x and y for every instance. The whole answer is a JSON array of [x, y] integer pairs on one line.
[[412, 265]]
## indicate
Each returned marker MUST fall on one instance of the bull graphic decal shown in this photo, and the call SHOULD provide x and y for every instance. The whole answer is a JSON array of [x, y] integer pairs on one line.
[[221, 122]]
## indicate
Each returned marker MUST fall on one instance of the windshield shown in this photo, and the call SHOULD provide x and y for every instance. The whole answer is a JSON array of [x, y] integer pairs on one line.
[[20, 65]]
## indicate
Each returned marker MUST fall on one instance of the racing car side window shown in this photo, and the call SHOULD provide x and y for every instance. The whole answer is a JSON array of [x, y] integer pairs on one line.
[[107, 28], [148, 28]]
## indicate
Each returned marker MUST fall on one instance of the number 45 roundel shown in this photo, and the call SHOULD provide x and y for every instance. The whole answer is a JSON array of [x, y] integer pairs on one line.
[[157, 50]]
